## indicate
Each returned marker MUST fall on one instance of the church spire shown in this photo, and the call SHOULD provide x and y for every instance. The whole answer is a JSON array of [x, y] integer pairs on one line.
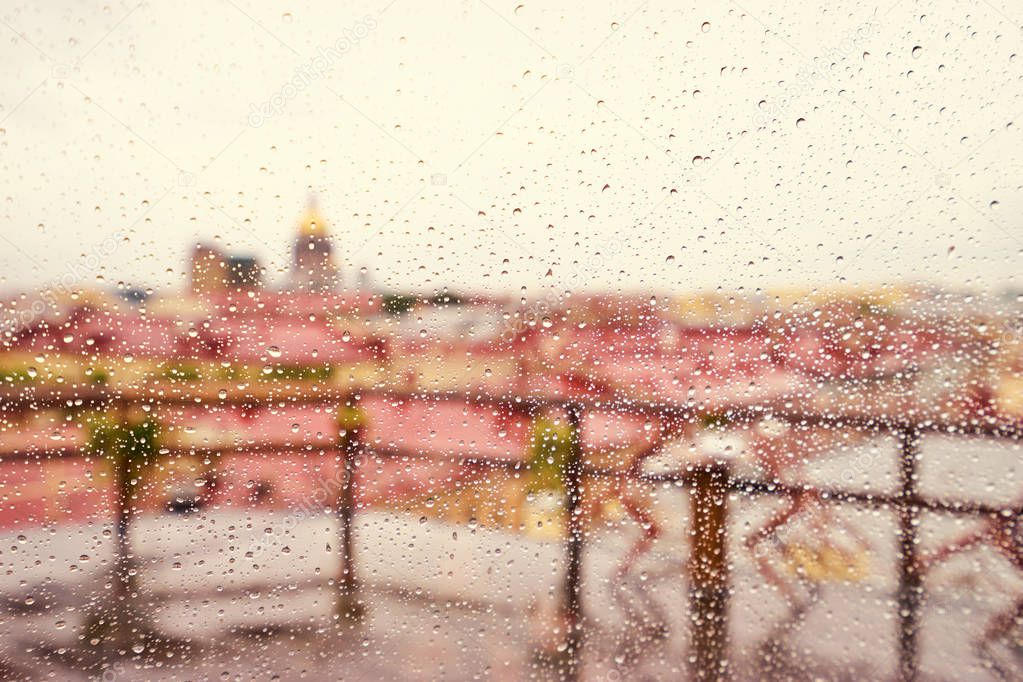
[[312, 265], [312, 224]]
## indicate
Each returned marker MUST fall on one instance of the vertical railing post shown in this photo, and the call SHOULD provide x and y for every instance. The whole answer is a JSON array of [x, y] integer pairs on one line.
[[130, 446], [351, 424], [708, 573], [124, 579], [910, 590], [572, 599]]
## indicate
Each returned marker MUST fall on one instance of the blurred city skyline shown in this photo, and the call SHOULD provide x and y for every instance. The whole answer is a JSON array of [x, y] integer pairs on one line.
[[481, 146]]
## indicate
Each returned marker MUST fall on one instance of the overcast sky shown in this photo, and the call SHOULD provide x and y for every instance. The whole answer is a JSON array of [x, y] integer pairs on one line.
[[483, 145]]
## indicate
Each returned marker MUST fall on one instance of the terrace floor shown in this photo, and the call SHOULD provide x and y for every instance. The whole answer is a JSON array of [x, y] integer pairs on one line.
[[445, 601]]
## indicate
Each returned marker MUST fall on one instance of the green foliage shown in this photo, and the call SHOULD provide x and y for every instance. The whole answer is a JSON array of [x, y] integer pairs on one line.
[[398, 304], [300, 373], [445, 299], [229, 373], [873, 309], [550, 452], [132, 444], [99, 377], [182, 372], [15, 376], [351, 417], [715, 421]]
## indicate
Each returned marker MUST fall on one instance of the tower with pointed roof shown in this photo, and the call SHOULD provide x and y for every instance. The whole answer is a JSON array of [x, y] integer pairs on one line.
[[312, 261]]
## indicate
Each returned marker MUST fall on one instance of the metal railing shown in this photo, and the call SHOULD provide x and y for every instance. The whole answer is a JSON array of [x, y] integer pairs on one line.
[[711, 484]]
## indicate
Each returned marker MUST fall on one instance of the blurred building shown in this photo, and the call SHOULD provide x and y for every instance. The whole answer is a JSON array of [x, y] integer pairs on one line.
[[213, 271], [312, 260], [244, 272], [208, 269]]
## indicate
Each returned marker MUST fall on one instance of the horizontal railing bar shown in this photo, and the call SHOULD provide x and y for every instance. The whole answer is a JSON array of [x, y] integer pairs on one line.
[[622, 404], [748, 486], [736, 484]]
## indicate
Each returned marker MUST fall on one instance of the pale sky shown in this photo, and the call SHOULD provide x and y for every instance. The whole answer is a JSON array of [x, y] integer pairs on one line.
[[642, 145]]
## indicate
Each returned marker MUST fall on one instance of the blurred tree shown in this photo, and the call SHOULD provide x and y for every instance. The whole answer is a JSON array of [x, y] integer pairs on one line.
[[550, 452], [398, 304]]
